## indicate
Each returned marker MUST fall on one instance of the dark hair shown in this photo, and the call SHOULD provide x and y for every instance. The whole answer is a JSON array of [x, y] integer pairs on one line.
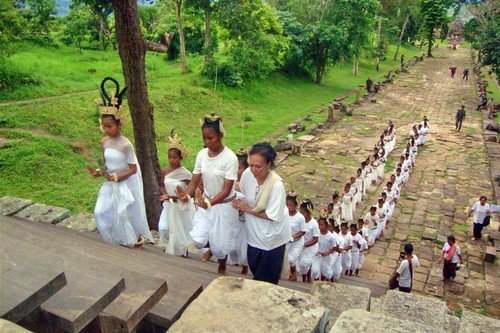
[[451, 238], [265, 150], [292, 198], [322, 219], [213, 124], [243, 158], [330, 205], [408, 248], [361, 221], [482, 197], [389, 183], [335, 195], [344, 225], [110, 116], [353, 226], [177, 151], [307, 205]]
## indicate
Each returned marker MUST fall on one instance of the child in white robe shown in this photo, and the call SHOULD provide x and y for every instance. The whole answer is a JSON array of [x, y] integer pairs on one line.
[[363, 249], [347, 245], [371, 220], [382, 210], [298, 227], [359, 184], [327, 244], [311, 236], [356, 241], [347, 203], [337, 255], [175, 222]]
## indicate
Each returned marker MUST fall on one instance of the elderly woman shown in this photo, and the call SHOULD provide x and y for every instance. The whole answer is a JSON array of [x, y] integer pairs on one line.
[[264, 208], [451, 254], [481, 210]]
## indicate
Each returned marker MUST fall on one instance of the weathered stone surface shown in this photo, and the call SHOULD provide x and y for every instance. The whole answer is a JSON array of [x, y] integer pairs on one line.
[[9, 327], [11, 205], [472, 322], [231, 304], [80, 222], [490, 254], [337, 297], [306, 138], [425, 310], [43, 213], [359, 321]]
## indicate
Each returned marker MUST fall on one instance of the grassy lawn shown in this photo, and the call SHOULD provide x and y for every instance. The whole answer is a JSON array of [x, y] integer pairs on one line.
[[49, 142]]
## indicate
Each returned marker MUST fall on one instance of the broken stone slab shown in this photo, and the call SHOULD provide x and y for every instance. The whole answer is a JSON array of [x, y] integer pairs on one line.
[[425, 310], [230, 304], [360, 321], [474, 323], [337, 297], [490, 254], [11, 205], [306, 138], [80, 222], [43, 213], [9, 327]]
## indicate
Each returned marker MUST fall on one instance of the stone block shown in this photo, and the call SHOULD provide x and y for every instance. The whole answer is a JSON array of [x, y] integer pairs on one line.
[[80, 222], [43, 213], [424, 310], [490, 254], [475, 323], [11, 205], [359, 321], [9, 327], [230, 304], [337, 297]]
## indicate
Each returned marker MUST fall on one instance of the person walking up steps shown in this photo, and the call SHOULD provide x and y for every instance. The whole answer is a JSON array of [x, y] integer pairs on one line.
[[459, 117]]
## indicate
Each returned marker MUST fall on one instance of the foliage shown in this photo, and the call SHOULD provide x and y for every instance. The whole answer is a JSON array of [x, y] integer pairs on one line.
[[251, 40], [294, 61], [434, 15], [40, 16], [10, 27], [80, 27]]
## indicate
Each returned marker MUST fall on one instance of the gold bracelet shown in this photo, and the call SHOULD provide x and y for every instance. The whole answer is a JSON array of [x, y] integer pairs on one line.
[[209, 205], [115, 177]]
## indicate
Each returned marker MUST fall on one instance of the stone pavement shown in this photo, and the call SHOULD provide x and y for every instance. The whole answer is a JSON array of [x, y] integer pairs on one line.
[[452, 171]]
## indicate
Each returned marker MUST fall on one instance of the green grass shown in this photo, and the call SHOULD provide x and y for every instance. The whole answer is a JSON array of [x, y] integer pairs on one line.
[[461, 228], [68, 124]]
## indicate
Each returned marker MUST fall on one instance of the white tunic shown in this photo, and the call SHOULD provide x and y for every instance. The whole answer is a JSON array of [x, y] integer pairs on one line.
[[480, 212]]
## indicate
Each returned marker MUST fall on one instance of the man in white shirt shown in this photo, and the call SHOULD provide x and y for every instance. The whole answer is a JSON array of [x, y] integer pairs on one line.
[[481, 210], [404, 274]]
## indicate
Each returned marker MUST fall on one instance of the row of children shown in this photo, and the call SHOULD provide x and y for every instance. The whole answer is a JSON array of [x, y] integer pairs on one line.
[[333, 244]]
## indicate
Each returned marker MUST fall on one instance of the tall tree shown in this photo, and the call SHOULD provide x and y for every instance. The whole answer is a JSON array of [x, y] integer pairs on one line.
[[434, 15], [207, 7], [132, 51], [10, 27], [178, 4], [102, 9], [42, 14]]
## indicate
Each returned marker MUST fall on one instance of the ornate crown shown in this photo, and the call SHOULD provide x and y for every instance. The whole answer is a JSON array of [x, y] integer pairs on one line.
[[174, 142], [111, 105]]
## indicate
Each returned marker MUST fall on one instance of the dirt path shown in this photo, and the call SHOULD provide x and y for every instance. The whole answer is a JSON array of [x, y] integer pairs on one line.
[[451, 173], [44, 99]]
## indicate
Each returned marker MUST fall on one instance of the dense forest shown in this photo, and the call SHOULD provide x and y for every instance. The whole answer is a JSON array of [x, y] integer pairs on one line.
[[248, 39]]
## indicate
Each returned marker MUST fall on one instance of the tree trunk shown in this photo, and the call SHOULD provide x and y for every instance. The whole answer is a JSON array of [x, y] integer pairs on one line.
[[181, 37], [320, 72], [407, 18], [379, 29], [132, 53], [208, 31], [101, 34], [429, 46], [355, 65]]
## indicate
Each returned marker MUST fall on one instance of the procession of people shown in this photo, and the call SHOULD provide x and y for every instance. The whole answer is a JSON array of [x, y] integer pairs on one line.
[[234, 209]]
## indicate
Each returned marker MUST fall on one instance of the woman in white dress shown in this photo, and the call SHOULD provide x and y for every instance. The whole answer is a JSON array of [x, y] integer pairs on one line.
[[382, 210], [298, 226], [310, 241], [176, 217], [360, 185], [357, 240], [120, 213], [216, 218], [347, 203]]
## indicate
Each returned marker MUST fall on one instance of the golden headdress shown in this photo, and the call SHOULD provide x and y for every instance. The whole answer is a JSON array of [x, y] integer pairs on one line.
[[111, 105], [216, 121], [174, 142], [323, 214]]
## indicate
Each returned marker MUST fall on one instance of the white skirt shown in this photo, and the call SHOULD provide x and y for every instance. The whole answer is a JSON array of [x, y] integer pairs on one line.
[[306, 258], [336, 265], [346, 260], [347, 211], [216, 227], [120, 213], [238, 254], [372, 236], [176, 219], [354, 260], [294, 250], [322, 266]]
